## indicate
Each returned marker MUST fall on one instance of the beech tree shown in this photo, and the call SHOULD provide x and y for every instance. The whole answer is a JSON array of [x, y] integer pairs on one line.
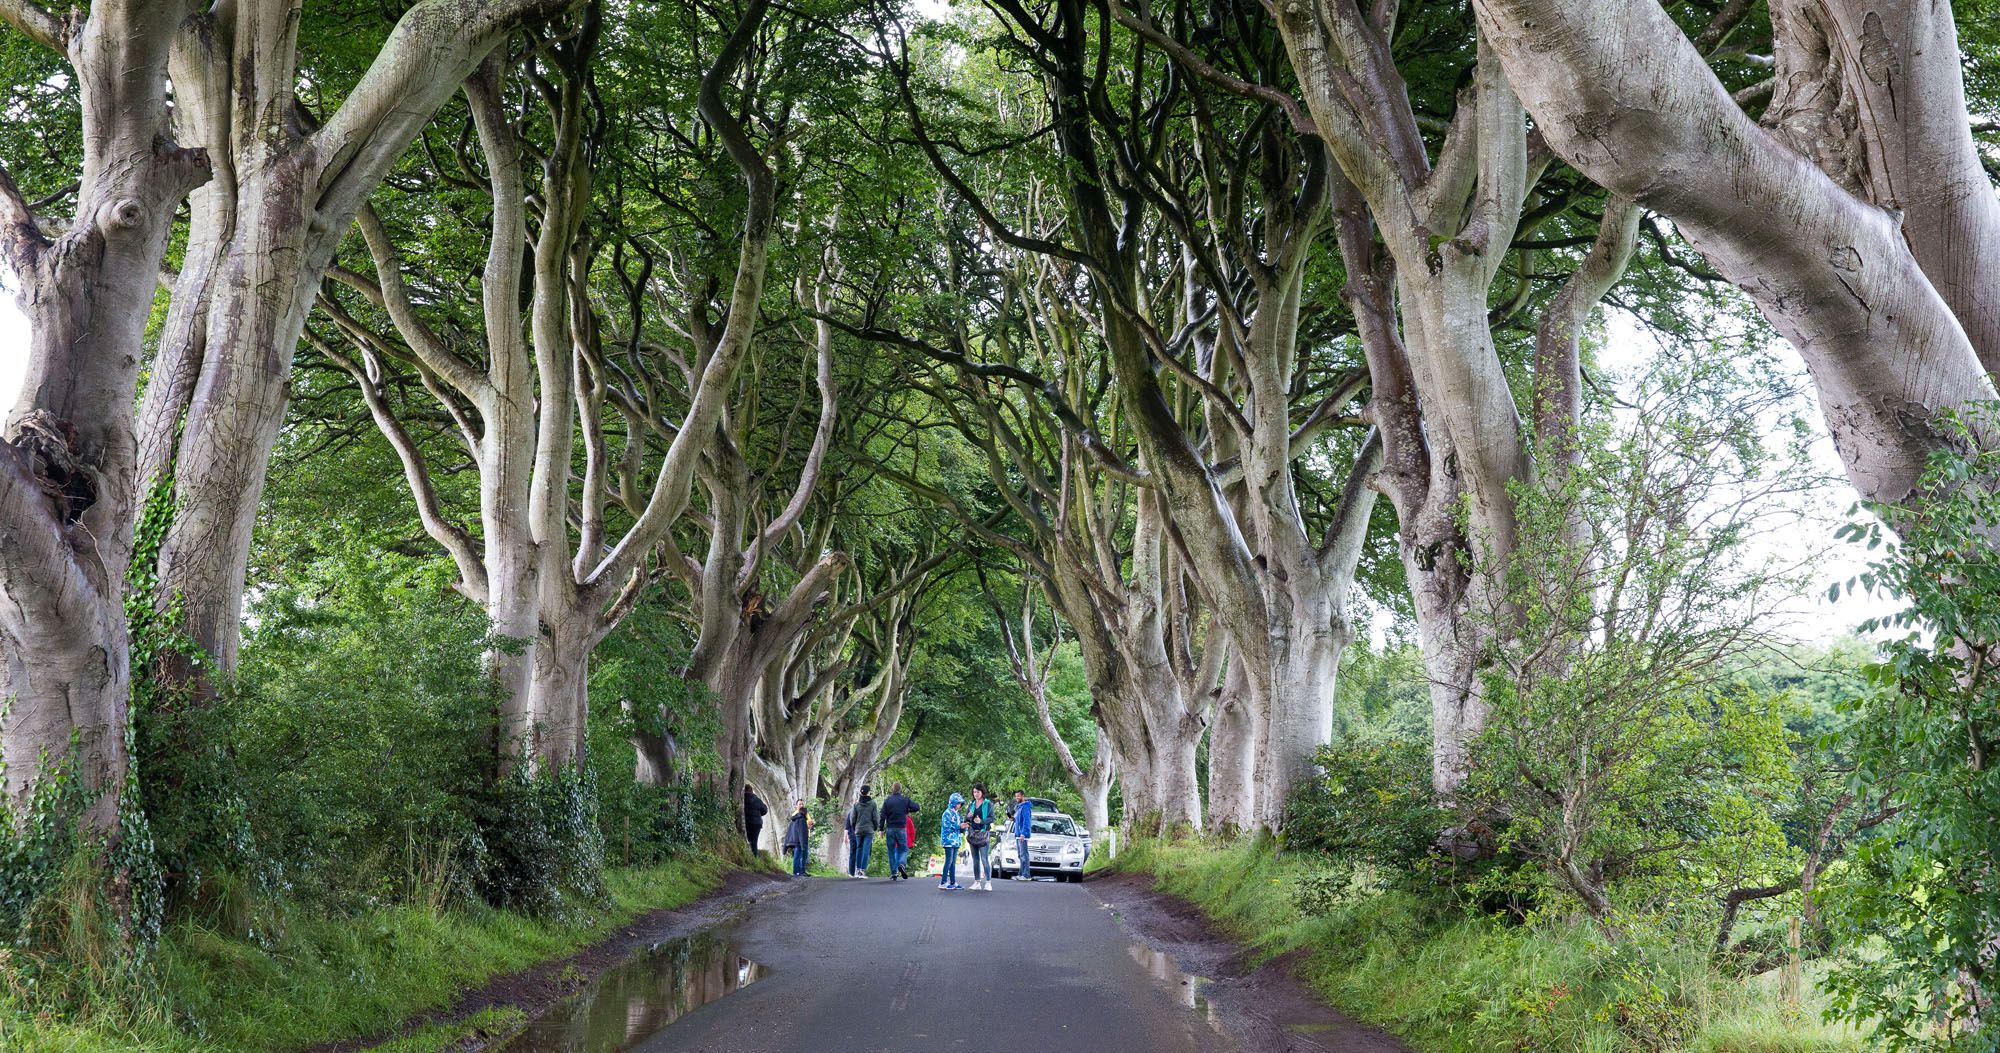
[[858, 748], [1032, 667], [1030, 398], [70, 480], [1190, 236], [745, 624], [1435, 185], [278, 185], [1856, 214], [292, 172], [826, 664], [825, 714], [549, 562]]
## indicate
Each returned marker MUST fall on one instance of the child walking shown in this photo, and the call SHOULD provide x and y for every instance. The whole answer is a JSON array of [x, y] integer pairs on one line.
[[949, 832]]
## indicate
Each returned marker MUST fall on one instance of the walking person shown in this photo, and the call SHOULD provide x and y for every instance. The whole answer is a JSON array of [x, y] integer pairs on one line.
[[951, 828], [862, 821], [979, 838], [898, 816], [798, 835], [1024, 826], [754, 810]]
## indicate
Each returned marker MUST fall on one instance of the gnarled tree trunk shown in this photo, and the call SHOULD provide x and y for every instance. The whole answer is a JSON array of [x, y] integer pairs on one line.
[[1031, 669], [263, 240], [69, 487], [1232, 743], [552, 578], [862, 724]]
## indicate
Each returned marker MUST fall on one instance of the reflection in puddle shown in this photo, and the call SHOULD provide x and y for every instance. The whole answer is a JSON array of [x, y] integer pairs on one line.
[[1186, 986], [633, 1001]]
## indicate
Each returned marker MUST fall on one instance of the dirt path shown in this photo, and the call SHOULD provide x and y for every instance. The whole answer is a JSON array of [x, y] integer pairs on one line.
[[536, 989], [1266, 1006]]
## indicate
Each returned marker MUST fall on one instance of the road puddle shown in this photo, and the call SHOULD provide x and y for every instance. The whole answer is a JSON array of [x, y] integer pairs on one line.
[[1186, 987], [634, 1001]]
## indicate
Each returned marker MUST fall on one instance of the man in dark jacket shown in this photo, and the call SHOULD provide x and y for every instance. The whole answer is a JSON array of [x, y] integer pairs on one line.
[[896, 810], [753, 816], [862, 821]]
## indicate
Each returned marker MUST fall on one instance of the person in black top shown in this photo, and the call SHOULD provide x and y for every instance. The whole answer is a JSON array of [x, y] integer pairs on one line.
[[754, 811], [862, 820], [895, 809]]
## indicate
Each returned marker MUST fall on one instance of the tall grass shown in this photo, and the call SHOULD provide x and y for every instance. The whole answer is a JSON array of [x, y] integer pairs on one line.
[[1454, 981], [293, 977]]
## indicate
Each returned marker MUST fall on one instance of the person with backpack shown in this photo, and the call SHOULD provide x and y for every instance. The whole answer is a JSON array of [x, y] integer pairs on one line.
[[979, 838], [898, 817], [951, 828], [862, 821], [1023, 828]]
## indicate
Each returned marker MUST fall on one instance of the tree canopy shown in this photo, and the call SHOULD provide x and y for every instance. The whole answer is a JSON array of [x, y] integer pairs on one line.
[[524, 427]]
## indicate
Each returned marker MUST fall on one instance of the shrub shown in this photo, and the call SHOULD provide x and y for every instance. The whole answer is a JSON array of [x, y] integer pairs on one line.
[[1920, 900], [540, 840], [1616, 753], [643, 825], [1454, 981], [362, 721], [1368, 802]]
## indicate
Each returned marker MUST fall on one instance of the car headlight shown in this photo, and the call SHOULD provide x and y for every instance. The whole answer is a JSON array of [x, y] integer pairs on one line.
[[1072, 851]]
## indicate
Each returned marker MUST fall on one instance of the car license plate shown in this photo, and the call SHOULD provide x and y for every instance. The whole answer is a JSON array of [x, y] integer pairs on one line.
[[1043, 859]]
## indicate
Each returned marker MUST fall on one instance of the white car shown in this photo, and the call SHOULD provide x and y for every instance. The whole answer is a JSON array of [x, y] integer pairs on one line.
[[1058, 846]]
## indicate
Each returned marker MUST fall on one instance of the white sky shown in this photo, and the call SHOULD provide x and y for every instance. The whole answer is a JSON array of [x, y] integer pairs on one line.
[[13, 350], [1814, 617]]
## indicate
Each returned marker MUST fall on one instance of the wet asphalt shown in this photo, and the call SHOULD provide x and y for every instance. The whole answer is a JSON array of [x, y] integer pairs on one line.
[[871, 966]]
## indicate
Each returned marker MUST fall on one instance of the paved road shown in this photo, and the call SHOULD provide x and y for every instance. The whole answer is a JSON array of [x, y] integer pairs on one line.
[[873, 967]]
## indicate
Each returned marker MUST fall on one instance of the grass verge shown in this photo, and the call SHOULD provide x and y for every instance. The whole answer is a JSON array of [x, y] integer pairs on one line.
[[305, 979], [1452, 982]]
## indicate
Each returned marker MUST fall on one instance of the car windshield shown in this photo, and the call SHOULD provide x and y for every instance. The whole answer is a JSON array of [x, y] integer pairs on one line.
[[1055, 824]]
